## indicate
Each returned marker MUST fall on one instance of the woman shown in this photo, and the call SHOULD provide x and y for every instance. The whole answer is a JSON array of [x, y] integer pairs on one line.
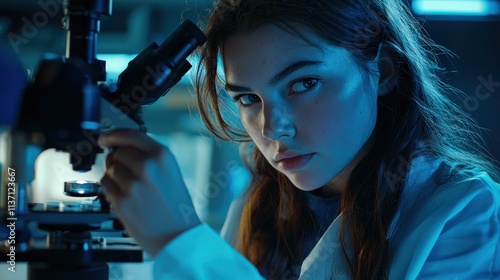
[[362, 167]]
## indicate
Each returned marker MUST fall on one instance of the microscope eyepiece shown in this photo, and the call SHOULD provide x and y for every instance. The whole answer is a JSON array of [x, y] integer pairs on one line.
[[185, 39], [155, 70]]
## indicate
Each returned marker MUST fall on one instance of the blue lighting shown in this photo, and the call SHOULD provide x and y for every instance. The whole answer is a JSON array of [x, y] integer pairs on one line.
[[456, 7], [116, 63]]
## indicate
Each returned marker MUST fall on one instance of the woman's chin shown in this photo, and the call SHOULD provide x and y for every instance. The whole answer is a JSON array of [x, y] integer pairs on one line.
[[306, 184]]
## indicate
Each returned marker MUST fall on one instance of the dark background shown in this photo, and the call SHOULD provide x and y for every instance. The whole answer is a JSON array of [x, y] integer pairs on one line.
[[477, 47]]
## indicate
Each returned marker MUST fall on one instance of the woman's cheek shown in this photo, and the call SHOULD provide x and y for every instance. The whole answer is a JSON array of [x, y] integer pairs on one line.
[[250, 122]]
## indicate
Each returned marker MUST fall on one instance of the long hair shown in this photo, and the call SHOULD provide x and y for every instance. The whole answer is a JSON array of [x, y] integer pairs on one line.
[[416, 111]]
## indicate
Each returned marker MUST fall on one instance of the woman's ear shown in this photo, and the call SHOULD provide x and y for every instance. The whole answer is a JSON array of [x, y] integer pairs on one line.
[[389, 72]]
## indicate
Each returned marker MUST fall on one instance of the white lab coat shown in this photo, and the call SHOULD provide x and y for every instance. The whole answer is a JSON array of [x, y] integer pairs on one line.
[[443, 230]]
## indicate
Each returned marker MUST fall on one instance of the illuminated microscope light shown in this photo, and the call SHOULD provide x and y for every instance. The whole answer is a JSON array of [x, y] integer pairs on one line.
[[81, 188]]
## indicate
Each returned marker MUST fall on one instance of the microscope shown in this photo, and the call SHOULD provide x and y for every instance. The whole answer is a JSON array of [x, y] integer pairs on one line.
[[61, 109]]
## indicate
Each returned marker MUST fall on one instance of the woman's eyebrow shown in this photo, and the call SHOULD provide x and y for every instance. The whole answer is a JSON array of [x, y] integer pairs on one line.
[[235, 88], [287, 71], [292, 68]]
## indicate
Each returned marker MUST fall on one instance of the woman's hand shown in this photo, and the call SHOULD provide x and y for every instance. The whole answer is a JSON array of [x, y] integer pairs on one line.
[[146, 190]]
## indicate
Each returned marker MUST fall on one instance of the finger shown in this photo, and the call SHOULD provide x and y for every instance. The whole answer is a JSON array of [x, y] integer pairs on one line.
[[111, 191], [122, 176], [110, 158], [129, 137], [133, 159], [110, 188]]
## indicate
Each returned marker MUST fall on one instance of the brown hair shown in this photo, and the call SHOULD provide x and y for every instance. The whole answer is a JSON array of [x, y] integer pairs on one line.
[[271, 231]]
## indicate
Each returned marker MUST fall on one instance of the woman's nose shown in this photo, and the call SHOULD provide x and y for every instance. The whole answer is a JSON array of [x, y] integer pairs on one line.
[[278, 123]]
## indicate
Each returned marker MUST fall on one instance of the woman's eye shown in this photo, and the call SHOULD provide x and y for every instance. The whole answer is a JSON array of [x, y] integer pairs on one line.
[[246, 99], [303, 85]]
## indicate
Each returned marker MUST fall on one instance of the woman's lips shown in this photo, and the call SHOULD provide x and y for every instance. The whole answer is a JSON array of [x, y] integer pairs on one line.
[[294, 163]]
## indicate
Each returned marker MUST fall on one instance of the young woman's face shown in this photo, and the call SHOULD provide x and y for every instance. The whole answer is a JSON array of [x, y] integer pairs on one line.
[[309, 109]]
